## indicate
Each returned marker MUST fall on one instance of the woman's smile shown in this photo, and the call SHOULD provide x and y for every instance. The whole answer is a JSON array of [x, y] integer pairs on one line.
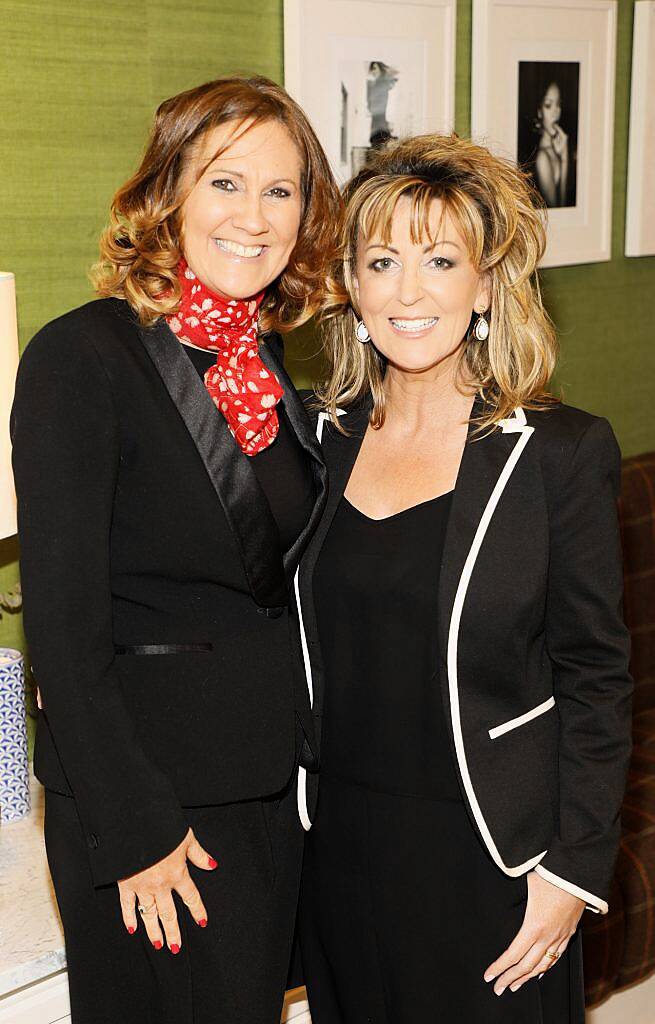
[[235, 250], [417, 327]]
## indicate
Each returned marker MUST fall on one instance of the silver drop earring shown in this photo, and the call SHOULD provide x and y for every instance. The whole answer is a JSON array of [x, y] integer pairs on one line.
[[481, 329], [361, 332]]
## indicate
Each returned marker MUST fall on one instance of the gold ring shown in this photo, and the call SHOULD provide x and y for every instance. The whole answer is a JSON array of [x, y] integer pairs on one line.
[[553, 956], [144, 910]]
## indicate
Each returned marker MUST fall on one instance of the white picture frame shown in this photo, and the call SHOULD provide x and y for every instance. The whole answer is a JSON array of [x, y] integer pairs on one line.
[[532, 56], [640, 206], [364, 69]]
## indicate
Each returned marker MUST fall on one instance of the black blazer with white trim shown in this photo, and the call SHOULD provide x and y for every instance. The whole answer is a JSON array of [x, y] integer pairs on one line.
[[143, 527], [534, 649]]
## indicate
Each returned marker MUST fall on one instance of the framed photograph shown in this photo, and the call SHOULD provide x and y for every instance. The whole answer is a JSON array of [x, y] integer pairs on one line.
[[640, 211], [543, 95], [368, 72]]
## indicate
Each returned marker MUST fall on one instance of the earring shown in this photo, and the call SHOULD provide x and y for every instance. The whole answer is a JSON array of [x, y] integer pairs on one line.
[[481, 329], [361, 332]]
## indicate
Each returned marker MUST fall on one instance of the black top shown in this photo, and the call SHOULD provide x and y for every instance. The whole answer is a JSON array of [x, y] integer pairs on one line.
[[283, 471], [375, 587]]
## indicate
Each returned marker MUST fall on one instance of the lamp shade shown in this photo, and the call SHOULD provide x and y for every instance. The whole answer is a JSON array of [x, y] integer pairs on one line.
[[8, 367]]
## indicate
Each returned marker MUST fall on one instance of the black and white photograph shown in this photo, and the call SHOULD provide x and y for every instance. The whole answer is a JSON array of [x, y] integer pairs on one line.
[[547, 135], [379, 103], [369, 74], [542, 94]]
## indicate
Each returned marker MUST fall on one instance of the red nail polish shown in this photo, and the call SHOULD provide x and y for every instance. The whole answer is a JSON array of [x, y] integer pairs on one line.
[[157, 944], [213, 863], [203, 922], [175, 949], [131, 930]]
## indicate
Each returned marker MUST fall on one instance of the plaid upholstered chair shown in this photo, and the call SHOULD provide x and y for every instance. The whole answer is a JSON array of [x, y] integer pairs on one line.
[[619, 948]]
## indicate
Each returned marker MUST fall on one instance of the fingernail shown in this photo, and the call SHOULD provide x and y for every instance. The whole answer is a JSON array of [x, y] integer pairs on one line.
[[499, 991], [514, 988], [131, 930], [157, 944], [175, 949], [213, 863], [489, 977], [203, 922]]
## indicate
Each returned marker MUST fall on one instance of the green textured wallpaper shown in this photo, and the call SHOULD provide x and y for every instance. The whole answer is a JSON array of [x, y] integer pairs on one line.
[[79, 83]]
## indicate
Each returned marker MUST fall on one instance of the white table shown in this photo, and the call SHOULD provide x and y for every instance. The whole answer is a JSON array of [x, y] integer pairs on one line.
[[33, 983]]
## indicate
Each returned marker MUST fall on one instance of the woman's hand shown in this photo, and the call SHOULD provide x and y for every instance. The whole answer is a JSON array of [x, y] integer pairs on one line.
[[551, 917], [153, 890], [560, 142]]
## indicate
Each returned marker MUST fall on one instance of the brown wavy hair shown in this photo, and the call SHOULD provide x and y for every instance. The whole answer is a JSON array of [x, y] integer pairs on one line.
[[141, 248], [502, 220]]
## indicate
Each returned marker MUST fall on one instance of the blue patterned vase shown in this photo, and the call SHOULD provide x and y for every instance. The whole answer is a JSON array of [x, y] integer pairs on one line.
[[14, 768]]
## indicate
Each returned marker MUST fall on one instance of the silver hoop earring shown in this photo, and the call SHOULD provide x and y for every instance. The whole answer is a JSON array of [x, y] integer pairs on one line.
[[481, 329], [361, 332]]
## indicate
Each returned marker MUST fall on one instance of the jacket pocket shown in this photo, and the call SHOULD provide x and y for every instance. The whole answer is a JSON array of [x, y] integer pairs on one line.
[[515, 723]]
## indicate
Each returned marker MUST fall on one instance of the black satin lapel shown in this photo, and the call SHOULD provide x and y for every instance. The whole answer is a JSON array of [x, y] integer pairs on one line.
[[293, 404], [302, 426], [233, 478], [482, 463]]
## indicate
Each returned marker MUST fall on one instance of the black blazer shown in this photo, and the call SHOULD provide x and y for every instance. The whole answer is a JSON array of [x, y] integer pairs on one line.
[[142, 523], [534, 650]]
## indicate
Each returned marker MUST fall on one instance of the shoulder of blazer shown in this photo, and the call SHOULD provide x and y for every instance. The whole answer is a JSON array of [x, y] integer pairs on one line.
[[568, 440], [93, 326], [560, 428]]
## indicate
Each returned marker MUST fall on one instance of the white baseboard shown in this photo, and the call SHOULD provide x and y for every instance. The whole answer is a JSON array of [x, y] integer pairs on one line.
[[45, 1002]]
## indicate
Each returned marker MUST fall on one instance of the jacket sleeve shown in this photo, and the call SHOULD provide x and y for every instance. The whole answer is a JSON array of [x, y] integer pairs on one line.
[[66, 455], [588, 645]]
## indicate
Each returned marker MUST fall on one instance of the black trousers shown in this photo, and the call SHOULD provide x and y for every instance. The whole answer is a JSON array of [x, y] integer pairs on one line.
[[401, 911], [232, 972]]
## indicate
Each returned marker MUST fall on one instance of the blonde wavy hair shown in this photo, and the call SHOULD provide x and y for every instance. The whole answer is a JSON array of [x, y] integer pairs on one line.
[[141, 248], [502, 220]]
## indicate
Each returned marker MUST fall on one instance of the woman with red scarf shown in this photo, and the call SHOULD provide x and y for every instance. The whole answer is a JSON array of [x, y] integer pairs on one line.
[[168, 482]]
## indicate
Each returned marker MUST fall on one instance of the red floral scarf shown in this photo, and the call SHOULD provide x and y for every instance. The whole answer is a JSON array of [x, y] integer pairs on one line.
[[244, 390]]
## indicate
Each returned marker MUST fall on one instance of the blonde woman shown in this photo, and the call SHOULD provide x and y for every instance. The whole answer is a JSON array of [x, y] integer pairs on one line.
[[461, 609]]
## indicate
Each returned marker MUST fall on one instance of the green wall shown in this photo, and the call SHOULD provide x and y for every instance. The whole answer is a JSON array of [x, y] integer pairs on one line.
[[79, 83]]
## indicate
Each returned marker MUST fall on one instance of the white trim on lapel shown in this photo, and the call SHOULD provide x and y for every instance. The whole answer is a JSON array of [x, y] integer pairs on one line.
[[303, 813], [516, 424], [323, 418]]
